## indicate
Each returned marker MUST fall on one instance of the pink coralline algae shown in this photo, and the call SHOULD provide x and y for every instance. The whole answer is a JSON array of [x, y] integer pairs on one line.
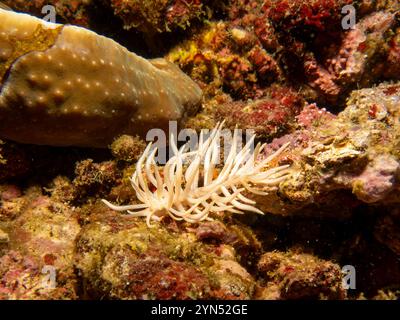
[[356, 59], [248, 15], [266, 67], [227, 57], [136, 262], [356, 151], [297, 15], [21, 278], [268, 117], [308, 40], [392, 70], [46, 235], [299, 43], [311, 116], [378, 179]]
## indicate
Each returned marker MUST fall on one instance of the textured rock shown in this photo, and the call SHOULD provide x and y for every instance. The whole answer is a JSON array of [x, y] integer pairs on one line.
[[40, 236], [152, 16], [256, 66], [345, 160], [55, 76], [93, 178], [21, 278], [297, 275], [120, 257], [46, 230], [268, 117], [314, 15], [4, 238], [228, 58], [358, 58], [128, 148]]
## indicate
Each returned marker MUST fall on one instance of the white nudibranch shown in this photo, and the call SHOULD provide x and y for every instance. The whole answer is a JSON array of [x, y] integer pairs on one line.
[[190, 187]]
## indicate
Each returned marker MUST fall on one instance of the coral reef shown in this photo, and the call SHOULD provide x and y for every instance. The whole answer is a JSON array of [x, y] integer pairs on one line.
[[355, 151], [229, 58], [128, 148], [46, 231], [158, 16], [357, 60], [297, 275], [11, 202], [302, 17], [21, 278], [300, 43], [392, 69], [269, 117], [94, 178], [327, 99], [88, 80], [40, 234], [120, 257]]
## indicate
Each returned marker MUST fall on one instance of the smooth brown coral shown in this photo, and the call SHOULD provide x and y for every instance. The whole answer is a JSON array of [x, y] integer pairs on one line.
[[82, 89]]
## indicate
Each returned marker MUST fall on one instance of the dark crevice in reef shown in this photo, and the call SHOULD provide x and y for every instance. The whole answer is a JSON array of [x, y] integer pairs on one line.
[[46, 162], [347, 241]]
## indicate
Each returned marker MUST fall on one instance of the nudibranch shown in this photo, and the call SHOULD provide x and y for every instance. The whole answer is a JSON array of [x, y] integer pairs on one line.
[[192, 191], [63, 85]]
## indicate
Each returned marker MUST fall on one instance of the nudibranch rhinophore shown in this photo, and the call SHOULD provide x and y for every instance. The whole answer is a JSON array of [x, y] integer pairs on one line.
[[63, 85]]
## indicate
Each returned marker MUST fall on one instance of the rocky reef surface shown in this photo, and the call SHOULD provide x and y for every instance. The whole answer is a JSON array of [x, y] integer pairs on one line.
[[285, 69]]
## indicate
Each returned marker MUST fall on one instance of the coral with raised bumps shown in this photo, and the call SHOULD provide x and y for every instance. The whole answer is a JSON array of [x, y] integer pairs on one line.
[[63, 75]]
